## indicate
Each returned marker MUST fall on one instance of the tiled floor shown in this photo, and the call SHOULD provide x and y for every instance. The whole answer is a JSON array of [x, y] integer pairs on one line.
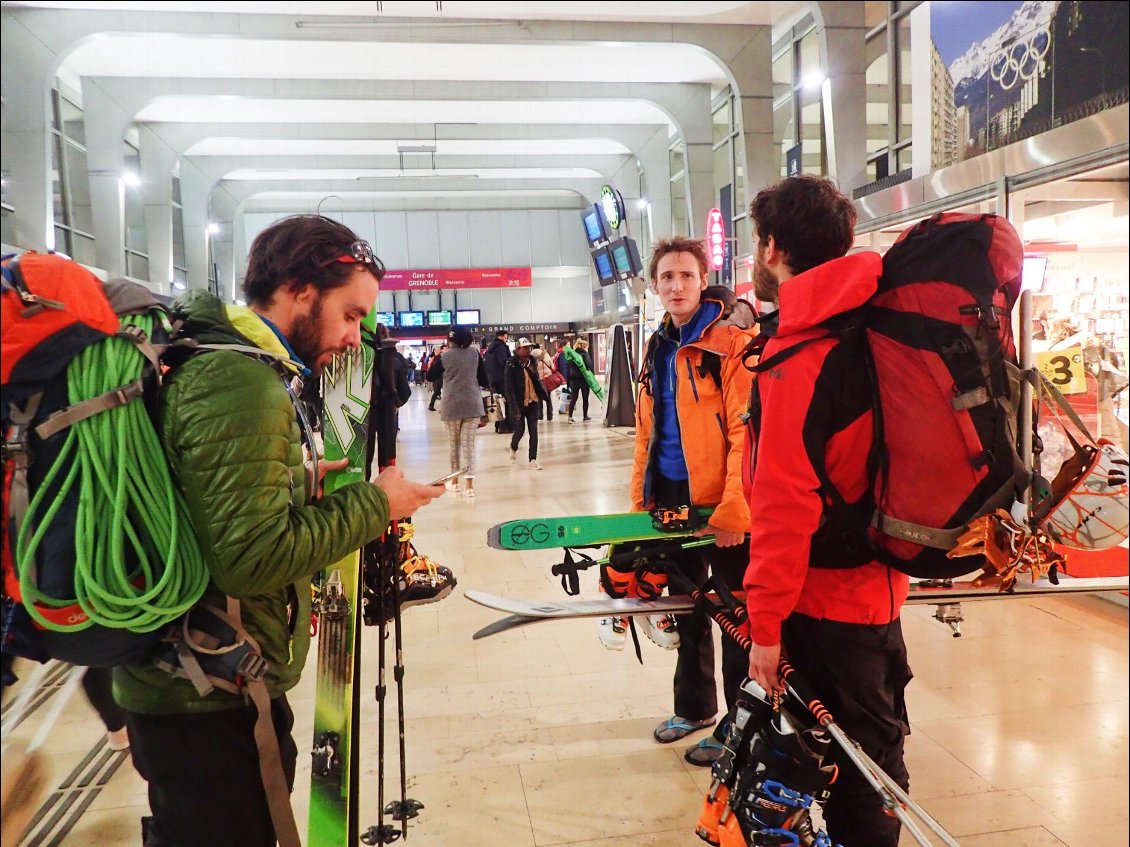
[[541, 737]]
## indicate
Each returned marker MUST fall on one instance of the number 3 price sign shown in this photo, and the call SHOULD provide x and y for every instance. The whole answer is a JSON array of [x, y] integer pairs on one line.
[[1064, 369]]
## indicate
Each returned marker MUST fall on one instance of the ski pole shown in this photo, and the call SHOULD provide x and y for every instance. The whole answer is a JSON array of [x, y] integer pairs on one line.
[[895, 799]]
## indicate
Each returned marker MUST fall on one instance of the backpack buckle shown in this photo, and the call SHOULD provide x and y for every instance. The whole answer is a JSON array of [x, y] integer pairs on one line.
[[252, 666]]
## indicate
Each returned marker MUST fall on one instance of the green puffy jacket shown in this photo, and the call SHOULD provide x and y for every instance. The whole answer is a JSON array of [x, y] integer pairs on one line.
[[232, 439]]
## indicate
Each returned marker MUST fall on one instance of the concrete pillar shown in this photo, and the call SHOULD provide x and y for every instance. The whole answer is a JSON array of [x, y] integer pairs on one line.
[[28, 75], [223, 250], [194, 190], [157, 161], [657, 175], [692, 116], [757, 153], [105, 122], [841, 30]]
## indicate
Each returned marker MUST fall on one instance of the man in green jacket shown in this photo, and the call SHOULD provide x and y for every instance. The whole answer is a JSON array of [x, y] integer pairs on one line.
[[232, 437]]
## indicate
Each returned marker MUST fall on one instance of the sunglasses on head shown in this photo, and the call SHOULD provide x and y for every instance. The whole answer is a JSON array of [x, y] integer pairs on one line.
[[360, 253]]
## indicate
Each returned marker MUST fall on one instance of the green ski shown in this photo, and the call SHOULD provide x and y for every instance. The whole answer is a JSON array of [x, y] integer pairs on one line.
[[333, 820], [595, 530]]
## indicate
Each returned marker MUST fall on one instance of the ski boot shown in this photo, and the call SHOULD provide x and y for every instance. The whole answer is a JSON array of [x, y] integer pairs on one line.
[[421, 579]]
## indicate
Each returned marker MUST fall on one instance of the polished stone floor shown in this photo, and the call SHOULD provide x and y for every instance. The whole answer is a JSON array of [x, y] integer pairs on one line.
[[542, 737]]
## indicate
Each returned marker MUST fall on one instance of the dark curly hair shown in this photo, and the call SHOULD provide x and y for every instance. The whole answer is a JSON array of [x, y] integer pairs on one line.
[[809, 219], [292, 252], [677, 244]]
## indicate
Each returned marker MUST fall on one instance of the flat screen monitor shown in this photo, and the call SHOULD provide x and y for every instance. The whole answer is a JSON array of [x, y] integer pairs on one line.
[[439, 318], [605, 270], [410, 319], [1032, 277], [467, 317], [386, 318], [625, 258], [596, 225]]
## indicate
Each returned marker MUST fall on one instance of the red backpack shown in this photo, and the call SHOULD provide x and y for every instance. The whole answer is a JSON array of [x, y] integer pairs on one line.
[[946, 392]]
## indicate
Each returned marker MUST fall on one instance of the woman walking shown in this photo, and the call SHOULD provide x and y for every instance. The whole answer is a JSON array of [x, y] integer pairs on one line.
[[461, 405], [524, 396], [578, 384]]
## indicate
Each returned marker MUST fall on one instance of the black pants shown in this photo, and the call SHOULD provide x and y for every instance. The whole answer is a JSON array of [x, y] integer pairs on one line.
[[203, 775], [861, 673], [528, 418], [696, 696], [97, 684], [437, 388], [582, 388]]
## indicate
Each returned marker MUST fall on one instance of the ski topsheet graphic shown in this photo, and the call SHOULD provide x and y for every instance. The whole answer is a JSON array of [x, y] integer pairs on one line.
[[347, 389], [595, 530], [525, 612]]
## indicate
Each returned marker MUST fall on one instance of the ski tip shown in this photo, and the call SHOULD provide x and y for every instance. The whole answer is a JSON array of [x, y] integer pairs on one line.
[[494, 537]]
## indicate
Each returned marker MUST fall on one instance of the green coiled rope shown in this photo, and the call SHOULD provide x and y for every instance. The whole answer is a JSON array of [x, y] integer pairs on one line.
[[138, 564]]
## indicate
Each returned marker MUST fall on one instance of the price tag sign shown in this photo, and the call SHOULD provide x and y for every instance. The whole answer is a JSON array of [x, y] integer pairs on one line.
[[1064, 369]]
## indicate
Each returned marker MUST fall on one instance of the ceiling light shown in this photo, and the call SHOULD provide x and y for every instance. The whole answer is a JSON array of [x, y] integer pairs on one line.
[[212, 228], [416, 147], [813, 80], [641, 204], [131, 179]]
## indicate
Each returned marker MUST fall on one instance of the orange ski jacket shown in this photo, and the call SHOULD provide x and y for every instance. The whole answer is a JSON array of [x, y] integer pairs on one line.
[[711, 429]]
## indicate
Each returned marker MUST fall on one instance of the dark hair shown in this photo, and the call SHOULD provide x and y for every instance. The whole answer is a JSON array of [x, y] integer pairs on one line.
[[461, 337], [501, 333], [677, 244], [809, 219], [298, 250]]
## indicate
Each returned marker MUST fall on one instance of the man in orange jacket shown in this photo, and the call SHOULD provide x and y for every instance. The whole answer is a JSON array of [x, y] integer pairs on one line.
[[688, 451], [811, 419]]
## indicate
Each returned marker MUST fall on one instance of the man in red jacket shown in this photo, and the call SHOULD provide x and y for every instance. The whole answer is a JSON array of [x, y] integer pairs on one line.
[[838, 621]]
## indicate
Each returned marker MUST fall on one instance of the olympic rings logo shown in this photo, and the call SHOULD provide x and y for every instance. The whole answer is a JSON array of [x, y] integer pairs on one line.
[[1019, 61]]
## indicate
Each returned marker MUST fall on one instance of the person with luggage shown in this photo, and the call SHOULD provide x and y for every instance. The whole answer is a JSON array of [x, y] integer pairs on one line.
[[688, 448], [812, 420], [578, 384], [524, 396], [494, 360], [234, 444]]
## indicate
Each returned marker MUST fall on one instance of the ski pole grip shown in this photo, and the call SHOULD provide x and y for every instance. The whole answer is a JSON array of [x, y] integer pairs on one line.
[[800, 690]]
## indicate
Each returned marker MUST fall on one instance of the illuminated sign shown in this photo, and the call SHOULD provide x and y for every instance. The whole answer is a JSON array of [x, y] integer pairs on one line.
[[613, 205], [715, 238]]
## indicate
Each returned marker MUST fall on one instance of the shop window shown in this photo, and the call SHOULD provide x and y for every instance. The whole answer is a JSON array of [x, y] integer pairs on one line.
[[723, 121]]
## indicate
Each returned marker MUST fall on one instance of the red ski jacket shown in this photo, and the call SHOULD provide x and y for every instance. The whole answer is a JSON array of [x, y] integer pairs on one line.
[[815, 411]]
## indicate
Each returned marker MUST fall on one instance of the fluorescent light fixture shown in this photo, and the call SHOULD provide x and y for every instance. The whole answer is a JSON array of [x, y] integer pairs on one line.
[[131, 179], [212, 228], [813, 80], [178, 286], [416, 147], [641, 204]]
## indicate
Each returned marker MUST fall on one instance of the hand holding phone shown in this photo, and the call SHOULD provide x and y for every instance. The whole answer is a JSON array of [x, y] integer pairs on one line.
[[448, 477]]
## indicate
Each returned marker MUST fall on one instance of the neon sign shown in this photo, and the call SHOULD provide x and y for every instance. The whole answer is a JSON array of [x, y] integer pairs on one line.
[[715, 238]]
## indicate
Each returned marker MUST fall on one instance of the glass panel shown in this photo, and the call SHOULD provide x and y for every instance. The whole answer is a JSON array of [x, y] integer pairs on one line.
[[878, 94], [678, 206], [63, 241], [178, 238], [677, 157], [874, 13], [137, 266], [812, 133], [176, 191], [741, 231], [783, 74], [722, 122], [180, 276], [723, 167], [73, 125], [83, 247], [904, 158], [58, 202], [739, 182], [784, 130], [809, 56], [902, 45], [78, 188]]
